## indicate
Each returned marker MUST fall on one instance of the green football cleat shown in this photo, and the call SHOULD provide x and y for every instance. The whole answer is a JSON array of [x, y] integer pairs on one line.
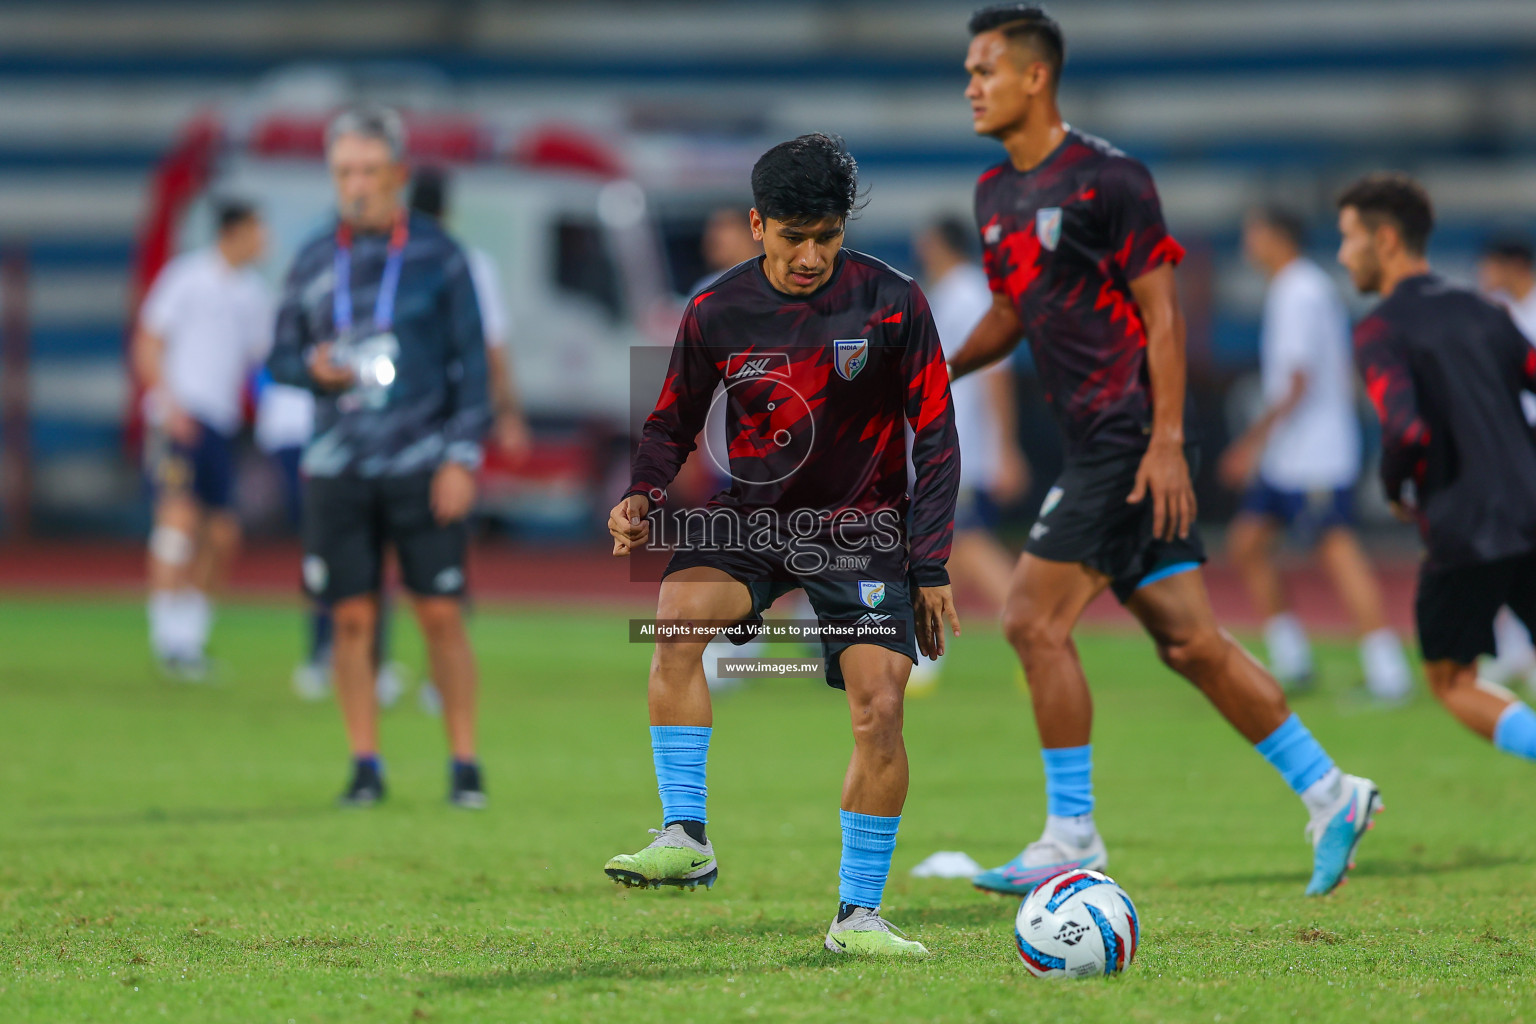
[[865, 932], [673, 858]]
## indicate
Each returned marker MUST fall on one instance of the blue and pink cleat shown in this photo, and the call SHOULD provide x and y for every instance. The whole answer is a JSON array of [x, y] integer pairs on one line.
[[1337, 831], [1044, 858]]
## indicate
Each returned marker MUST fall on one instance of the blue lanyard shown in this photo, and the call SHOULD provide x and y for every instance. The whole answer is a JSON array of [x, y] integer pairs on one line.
[[389, 283]]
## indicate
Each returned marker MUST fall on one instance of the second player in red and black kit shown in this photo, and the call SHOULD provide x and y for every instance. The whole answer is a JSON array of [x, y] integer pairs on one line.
[[1082, 265], [1062, 242], [1445, 368]]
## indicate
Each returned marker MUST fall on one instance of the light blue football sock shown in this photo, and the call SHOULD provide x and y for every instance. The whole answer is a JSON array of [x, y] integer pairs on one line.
[[1068, 780], [1292, 751], [680, 752], [868, 842], [1515, 732]]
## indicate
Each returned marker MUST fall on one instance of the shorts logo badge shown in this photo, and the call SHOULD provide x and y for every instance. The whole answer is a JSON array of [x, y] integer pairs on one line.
[[450, 579], [1048, 226], [849, 356], [1052, 499], [871, 593], [992, 234], [316, 574]]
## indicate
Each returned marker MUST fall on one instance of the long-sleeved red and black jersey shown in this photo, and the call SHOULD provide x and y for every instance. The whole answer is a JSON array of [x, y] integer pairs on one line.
[[1444, 368], [1063, 240], [816, 390]]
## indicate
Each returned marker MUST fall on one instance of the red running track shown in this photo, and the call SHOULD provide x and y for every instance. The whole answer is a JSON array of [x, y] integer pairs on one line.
[[585, 576]]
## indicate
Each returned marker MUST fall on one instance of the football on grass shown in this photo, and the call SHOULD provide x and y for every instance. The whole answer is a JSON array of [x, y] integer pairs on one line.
[[1077, 925]]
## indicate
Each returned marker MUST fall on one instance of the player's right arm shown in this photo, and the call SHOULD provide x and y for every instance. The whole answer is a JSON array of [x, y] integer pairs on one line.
[[996, 335], [669, 434], [147, 355]]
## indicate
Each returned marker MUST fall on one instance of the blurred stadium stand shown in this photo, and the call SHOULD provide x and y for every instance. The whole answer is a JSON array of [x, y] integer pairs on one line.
[[1230, 102]]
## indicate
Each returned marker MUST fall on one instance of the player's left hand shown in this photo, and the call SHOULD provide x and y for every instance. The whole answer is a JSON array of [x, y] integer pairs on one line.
[[1164, 475], [453, 492], [514, 438], [932, 607]]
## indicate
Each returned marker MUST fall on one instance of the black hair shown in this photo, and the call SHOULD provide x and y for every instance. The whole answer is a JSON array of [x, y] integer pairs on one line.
[[1285, 220], [1395, 198], [229, 213], [1511, 249], [1025, 23], [956, 233], [806, 179], [429, 192]]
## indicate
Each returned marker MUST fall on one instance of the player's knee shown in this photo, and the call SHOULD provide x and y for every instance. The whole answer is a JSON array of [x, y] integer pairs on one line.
[[439, 618], [1033, 633], [354, 620], [1195, 655], [1447, 678], [877, 718]]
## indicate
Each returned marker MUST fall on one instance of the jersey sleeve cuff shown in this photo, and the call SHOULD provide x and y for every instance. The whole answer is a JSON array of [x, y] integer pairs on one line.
[[465, 453], [657, 496], [931, 574]]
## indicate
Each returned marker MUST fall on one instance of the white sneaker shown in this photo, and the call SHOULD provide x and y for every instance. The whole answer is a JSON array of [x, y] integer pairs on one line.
[[1043, 859], [312, 682], [389, 684], [428, 699]]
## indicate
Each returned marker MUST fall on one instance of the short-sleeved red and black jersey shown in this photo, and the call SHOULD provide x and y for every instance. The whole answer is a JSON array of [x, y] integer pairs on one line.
[[816, 392], [1063, 241]]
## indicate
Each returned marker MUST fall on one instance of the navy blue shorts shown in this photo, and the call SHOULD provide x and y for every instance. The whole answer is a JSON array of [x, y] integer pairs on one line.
[[1308, 514], [1085, 519], [205, 469], [975, 509]]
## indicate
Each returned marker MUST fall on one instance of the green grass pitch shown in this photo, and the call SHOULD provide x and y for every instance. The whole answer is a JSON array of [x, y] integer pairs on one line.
[[171, 853]]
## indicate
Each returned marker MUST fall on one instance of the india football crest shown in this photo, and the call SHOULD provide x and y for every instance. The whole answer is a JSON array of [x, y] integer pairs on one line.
[[871, 592], [1048, 226], [849, 356]]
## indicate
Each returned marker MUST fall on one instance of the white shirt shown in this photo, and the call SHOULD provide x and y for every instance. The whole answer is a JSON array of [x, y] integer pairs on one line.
[[285, 417], [959, 300], [216, 322], [487, 280], [1523, 313], [1306, 329]]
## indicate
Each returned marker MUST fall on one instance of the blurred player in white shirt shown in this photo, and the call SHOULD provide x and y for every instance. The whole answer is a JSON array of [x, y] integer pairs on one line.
[[205, 324], [1507, 274], [993, 470], [1299, 462]]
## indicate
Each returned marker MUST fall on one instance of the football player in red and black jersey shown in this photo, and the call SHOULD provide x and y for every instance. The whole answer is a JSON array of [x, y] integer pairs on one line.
[[825, 355], [1082, 265], [1445, 369]]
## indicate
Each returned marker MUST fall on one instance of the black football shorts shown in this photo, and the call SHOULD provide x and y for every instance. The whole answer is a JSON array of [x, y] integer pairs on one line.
[[349, 519], [846, 590], [1086, 519], [1455, 607]]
